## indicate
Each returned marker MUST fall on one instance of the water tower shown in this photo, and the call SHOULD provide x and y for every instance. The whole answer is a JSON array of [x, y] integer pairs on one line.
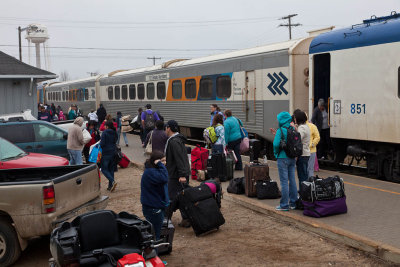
[[37, 34]]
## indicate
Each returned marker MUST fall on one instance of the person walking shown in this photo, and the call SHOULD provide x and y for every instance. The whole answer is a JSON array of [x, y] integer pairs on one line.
[[139, 122], [125, 127], [157, 137], [314, 140], [72, 113], [119, 125], [286, 165], [154, 191], [302, 162], [320, 119], [218, 124], [75, 142], [233, 137], [93, 116], [101, 114], [108, 142], [91, 128], [215, 110], [149, 119], [177, 164]]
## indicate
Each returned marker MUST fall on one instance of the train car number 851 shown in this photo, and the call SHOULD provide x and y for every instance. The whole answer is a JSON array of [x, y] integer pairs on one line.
[[357, 108]]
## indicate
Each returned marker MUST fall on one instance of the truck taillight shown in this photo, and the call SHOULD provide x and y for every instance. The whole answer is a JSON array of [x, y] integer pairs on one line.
[[49, 199]]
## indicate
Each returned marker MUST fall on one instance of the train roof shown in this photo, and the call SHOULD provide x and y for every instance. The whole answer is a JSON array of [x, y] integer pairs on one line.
[[66, 83], [374, 31]]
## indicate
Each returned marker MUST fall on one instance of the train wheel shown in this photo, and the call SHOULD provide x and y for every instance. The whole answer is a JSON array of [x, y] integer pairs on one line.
[[387, 170]]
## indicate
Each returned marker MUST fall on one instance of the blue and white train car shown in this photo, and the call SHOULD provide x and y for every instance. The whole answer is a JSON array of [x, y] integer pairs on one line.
[[357, 70]]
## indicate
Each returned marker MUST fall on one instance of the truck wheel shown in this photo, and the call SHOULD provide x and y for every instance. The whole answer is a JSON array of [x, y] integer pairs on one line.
[[9, 244]]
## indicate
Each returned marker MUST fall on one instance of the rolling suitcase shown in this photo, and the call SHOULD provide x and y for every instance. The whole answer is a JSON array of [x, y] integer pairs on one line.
[[201, 208], [167, 235], [124, 163], [216, 166], [255, 172], [229, 169]]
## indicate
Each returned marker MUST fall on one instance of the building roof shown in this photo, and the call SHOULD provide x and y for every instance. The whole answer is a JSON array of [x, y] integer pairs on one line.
[[373, 31], [12, 68]]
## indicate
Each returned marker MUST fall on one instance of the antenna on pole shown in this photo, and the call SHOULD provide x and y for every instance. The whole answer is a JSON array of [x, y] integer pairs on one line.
[[289, 24], [154, 59]]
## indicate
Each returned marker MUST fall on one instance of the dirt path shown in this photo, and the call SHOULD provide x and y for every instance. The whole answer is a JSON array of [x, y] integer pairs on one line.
[[246, 239]]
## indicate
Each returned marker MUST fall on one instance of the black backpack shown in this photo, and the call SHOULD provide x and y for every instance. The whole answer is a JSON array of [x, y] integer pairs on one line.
[[236, 186], [293, 146], [149, 122]]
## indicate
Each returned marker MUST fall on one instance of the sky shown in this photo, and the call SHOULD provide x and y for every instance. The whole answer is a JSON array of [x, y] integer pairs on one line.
[[122, 34]]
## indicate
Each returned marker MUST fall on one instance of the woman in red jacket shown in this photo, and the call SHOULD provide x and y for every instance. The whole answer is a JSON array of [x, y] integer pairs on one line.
[[108, 118], [91, 128]]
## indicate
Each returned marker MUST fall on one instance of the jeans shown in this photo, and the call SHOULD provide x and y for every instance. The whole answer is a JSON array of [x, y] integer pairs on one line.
[[75, 157], [235, 146], [155, 217], [302, 168], [311, 163], [123, 135], [107, 167], [286, 170]]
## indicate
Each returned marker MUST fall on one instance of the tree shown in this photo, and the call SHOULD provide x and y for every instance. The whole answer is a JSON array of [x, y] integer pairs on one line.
[[64, 76]]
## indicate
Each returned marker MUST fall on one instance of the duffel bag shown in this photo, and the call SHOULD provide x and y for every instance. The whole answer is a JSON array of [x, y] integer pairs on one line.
[[236, 186], [267, 189], [323, 208]]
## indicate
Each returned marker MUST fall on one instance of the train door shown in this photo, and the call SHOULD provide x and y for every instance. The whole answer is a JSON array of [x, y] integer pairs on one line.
[[322, 78], [250, 95]]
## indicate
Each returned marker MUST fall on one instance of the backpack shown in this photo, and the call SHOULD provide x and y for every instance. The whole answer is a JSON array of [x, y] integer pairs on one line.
[[293, 146], [209, 135], [149, 122], [199, 158]]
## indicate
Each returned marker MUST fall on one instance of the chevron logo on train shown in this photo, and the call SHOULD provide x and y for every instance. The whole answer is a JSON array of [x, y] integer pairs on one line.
[[277, 83]]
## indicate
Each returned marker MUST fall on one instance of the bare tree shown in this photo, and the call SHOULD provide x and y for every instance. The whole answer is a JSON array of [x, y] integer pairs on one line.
[[64, 76]]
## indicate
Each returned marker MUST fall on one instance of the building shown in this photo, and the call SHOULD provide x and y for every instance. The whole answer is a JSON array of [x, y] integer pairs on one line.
[[18, 85]]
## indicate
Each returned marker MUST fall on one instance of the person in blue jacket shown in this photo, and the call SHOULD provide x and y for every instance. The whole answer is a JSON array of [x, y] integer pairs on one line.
[[214, 111], [154, 191], [108, 145], [286, 165], [233, 137]]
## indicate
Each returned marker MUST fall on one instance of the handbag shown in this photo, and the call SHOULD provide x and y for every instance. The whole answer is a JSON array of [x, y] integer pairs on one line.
[[244, 145], [267, 190], [86, 136], [95, 154], [243, 131], [149, 148]]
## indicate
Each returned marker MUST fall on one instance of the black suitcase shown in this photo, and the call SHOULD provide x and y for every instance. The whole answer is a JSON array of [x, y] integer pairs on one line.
[[167, 235], [216, 167], [267, 189], [201, 208]]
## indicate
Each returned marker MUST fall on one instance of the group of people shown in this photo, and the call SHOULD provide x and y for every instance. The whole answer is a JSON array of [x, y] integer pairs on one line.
[[50, 113], [310, 138]]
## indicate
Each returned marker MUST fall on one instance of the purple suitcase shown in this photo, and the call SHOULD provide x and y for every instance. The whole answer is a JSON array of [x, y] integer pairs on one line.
[[322, 208]]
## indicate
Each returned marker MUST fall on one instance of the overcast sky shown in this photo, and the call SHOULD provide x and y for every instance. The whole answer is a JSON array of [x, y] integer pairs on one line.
[[183, 28]]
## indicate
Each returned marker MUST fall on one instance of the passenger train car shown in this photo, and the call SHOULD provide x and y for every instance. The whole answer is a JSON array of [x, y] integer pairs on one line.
[[356, 70]]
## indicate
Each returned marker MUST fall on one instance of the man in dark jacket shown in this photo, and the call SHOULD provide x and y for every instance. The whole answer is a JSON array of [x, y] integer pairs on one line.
[[101, 114], [321, 119], [177, 163], [317, 114]]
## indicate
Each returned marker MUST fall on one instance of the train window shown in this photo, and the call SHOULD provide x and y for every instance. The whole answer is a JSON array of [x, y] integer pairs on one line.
[[75, 95], [398, 86], [66, 95], [132, 91], [63, 96], [117, 90], [124, 92], [53, 97], [58, 96], [49, 96], [206, 86], [140, 91], [190, 88], [110, 93], [224, 87], [177, 89], [161, 90], [150, 91], [86, 93]]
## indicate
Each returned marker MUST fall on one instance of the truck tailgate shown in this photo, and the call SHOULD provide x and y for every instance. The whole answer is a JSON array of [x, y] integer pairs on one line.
[[76, 188]]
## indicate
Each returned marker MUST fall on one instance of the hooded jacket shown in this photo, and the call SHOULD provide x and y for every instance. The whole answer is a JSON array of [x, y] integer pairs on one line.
[[75, 135], [154, 187], [177, 159], [284, 120]]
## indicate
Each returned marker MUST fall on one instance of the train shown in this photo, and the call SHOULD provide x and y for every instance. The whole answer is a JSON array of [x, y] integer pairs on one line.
[[356, 70]]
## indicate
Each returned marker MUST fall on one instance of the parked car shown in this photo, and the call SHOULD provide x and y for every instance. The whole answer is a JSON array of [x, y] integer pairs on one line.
[[33, 201], [12, 157], [36, 137]]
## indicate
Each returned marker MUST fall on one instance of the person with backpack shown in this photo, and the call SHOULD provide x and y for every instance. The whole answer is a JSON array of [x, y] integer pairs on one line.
[[215, 110], [300, 119], [233, 137], [286, 164], [149, 119], [157, 137], [154, 191], [218, 124]]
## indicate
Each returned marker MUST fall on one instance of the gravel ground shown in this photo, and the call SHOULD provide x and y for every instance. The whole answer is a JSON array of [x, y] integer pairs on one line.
[[247, 238]]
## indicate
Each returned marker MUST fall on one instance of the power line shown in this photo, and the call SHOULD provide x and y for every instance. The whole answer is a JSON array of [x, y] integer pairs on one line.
[[154, 59], [290, 24]]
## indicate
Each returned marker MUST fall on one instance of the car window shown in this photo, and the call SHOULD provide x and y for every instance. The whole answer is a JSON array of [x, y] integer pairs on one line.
[[8, 150], [47, 133], [17, 133]]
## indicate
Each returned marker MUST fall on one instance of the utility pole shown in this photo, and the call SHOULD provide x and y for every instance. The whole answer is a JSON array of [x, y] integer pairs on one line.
[[290, 25], [154, 59], [19, 43]]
